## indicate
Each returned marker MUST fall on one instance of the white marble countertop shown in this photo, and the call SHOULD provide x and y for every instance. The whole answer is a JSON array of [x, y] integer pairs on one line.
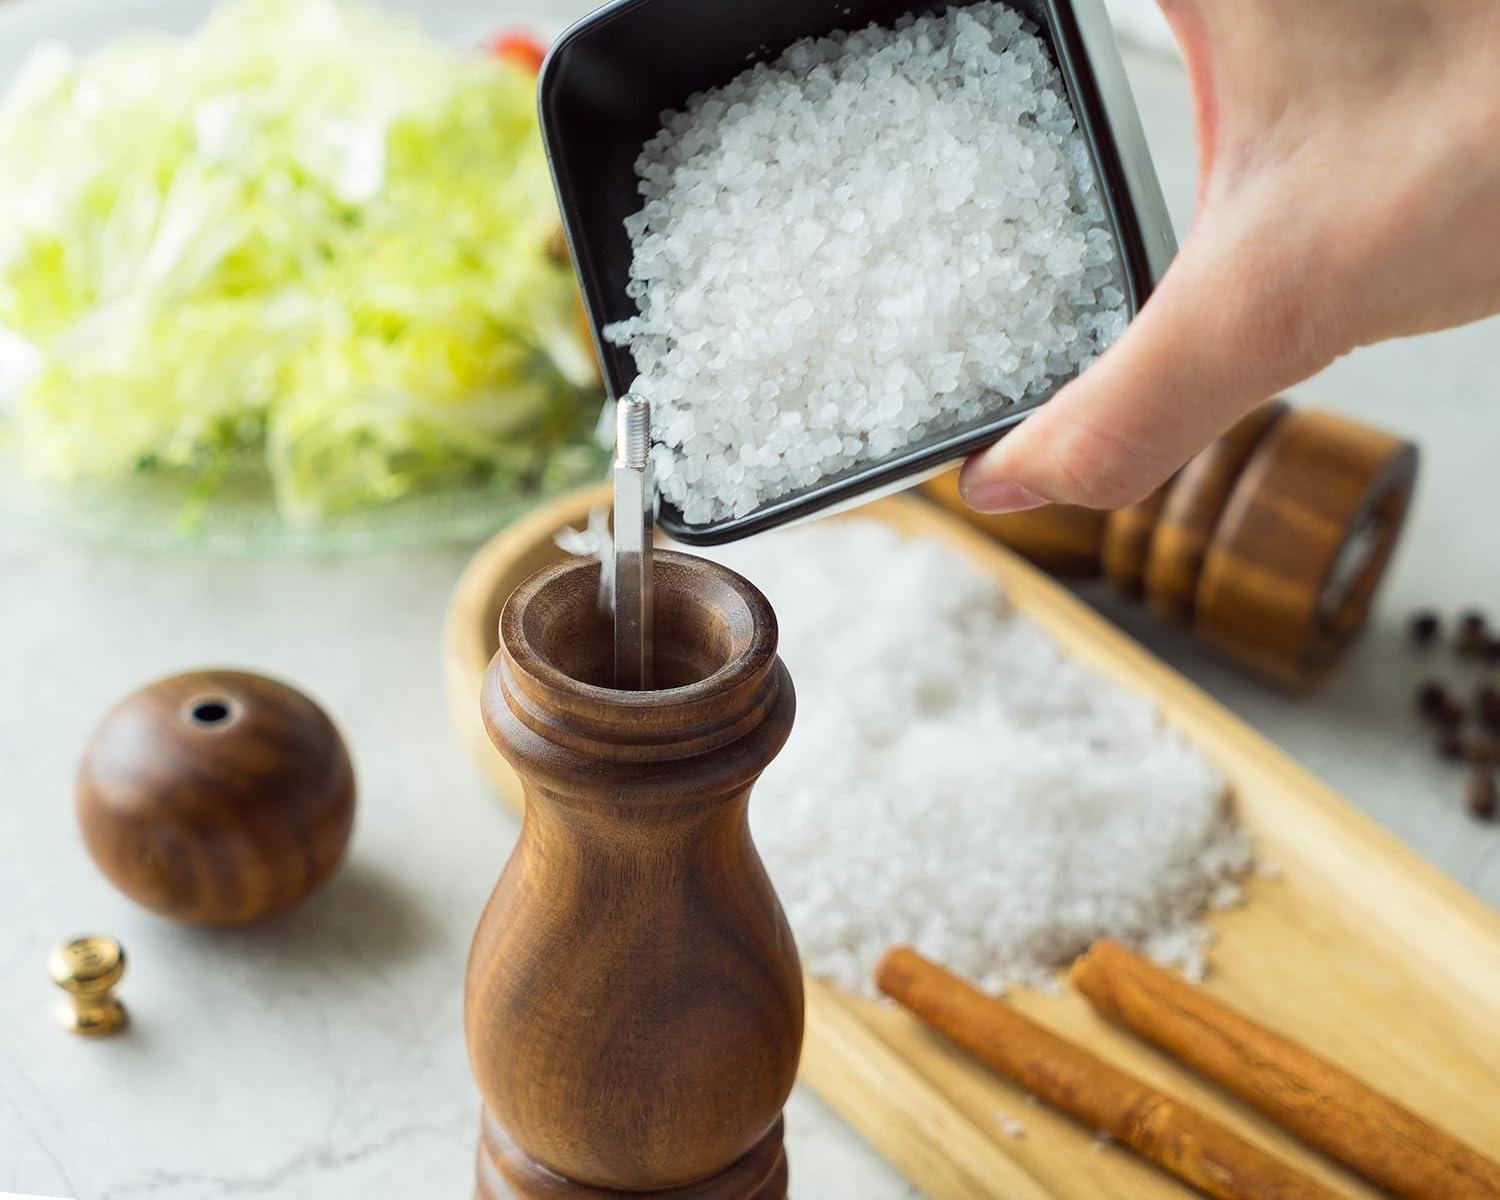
[[321, 1055]]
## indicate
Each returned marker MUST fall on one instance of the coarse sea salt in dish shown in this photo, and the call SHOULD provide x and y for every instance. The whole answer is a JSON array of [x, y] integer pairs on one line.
[[955, 783], [878, 236]]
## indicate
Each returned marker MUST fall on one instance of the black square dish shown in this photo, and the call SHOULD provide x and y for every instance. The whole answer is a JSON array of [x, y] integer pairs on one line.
[[609, 78]]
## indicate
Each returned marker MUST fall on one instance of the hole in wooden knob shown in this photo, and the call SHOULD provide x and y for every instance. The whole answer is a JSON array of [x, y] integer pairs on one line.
[[210, 712]]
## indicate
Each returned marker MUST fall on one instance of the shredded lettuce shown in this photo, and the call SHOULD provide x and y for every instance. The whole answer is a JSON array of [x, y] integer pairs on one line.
[[307, 234]]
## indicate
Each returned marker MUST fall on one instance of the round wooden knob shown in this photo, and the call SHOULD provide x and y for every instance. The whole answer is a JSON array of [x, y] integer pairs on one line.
[[216, 797]]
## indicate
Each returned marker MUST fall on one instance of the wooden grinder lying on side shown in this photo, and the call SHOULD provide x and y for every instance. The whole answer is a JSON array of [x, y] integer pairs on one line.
[[634, 998], [1269, 544]]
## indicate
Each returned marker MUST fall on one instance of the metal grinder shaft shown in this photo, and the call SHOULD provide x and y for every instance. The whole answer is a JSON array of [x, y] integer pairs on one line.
[[633, 522]]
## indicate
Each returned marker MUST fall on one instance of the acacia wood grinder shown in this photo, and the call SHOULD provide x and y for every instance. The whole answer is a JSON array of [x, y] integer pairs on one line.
[[634, 998], [1269, 545]]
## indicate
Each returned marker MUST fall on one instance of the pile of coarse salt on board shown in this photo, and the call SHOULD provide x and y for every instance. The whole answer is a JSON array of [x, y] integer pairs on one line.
[[878, 236], [954, 782]]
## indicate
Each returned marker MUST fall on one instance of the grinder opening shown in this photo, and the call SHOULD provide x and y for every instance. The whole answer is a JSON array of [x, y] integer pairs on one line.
[[699, 630]]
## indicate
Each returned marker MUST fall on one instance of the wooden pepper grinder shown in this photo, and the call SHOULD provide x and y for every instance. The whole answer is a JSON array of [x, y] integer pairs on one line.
[[1269, 544], [634, 998]]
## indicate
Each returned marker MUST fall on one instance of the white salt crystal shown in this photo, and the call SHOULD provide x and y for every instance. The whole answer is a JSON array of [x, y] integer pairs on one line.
[[898, 197], [954, 782], [1009, 1126], [594, 541]]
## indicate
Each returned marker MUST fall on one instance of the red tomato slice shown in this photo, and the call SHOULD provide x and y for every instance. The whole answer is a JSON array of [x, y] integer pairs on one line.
[[519, 47]]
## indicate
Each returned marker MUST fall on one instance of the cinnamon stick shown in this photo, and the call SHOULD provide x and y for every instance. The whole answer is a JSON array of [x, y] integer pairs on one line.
[[1179, 1139], [1321, 1103]]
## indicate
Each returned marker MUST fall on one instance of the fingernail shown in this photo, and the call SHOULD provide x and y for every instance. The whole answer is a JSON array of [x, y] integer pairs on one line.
[[1001, 498]]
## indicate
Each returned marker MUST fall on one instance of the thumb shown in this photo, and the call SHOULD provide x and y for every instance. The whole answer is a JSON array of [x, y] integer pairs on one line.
[[1198, 356]]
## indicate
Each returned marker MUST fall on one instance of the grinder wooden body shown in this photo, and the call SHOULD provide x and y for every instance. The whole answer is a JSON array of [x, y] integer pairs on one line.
[[634, 998], [1269, 544]]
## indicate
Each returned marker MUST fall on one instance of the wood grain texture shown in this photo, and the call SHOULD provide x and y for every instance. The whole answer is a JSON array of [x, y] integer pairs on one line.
[[1323, 1105], [1269, 547], [1176, 1137], [1127, 543], [1360, 949], [1190, 511], [1062, 539], [912, 1121], [1302, 544], [216, 797], [502, 1169], [634, 1005]]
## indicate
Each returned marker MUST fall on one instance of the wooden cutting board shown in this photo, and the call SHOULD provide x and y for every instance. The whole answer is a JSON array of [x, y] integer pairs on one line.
[[1358, 949]]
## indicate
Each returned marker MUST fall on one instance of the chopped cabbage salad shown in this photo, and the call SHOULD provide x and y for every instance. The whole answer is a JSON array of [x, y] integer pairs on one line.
[[307, 236]]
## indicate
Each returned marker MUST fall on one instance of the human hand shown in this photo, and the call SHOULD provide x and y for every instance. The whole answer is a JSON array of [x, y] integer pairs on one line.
[[1348, 192]]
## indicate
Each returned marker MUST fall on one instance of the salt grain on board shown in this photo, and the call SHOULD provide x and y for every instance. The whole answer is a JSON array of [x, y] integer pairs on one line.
[[956, 783], [878, 236]]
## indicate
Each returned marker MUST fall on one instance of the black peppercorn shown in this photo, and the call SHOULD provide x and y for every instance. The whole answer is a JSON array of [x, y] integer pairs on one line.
[[1446, 713], [1482, 752], [1423, 627], [1473, 634], [1482, 794], [1432, 699], [1450, 745], [1487, 705]]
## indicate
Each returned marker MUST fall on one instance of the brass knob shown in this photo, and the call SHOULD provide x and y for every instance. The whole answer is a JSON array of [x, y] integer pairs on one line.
[[88, 968]]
